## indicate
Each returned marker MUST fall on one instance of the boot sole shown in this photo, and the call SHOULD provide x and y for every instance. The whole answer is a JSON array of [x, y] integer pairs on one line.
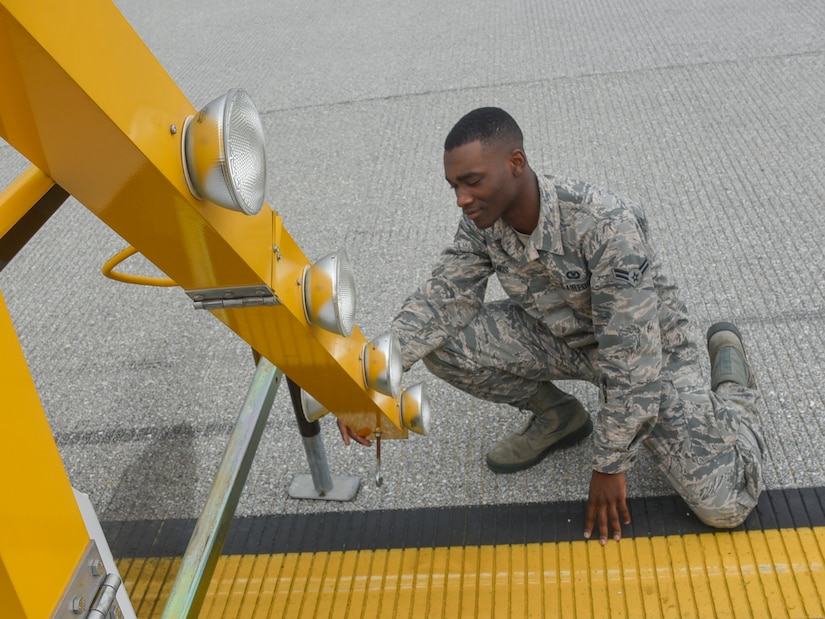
[[568, 441]]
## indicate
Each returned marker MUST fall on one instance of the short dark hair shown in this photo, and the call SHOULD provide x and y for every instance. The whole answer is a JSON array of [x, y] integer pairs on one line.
[[489, 125]]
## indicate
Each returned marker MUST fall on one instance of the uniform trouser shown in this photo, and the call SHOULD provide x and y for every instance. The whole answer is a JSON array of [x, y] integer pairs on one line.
[[708, 444]]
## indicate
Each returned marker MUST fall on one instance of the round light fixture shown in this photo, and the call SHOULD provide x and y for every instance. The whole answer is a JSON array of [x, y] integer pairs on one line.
[[329, 294], [223, 153], [415, 409], [381, 361], [313, 409]]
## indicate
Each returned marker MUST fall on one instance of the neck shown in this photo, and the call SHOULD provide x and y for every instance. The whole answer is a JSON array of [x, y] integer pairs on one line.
[[524, 216]]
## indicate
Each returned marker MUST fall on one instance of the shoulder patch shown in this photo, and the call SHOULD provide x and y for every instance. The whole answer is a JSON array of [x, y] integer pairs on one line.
[[632, 276]]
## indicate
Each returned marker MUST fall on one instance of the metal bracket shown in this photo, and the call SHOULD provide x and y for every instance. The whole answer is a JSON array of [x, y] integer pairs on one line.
[[232, 297], [91, 593]]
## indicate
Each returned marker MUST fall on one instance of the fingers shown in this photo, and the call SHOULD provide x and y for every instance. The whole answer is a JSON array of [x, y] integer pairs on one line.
[[360, 439], [606, 517], [614, 524], [344, 430], [347, 434], [589, 519], [625, 512]]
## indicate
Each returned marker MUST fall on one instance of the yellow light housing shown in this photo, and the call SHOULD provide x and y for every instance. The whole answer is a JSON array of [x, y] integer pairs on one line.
[[313, 409], [415, 409], [223, 153], [329, 294], [381, 360]]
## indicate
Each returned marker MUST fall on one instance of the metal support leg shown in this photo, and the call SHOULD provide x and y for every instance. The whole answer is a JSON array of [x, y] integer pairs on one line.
[[319, 484], [204, 549]]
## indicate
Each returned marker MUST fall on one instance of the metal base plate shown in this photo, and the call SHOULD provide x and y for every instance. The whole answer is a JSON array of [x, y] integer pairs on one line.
[[343, 488]]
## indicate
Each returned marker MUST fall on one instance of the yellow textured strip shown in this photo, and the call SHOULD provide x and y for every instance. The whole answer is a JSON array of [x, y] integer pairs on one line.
[[777, 558], [740, 574], [720, 602], [219, 602], [552, 580], [423, 582], [502, 586], [698, 575], [647, 578], [254, 604], [269, 583], [817, 564], [153, 581], [682, 581], [470, 591], [745, 554], [534, 590], [375, 584], [664, 576], [453, 579], [803, 570], [593, 570], [406, 593], [732, 576], [768, 576], [437, 592], [632, 588], [581, 579]]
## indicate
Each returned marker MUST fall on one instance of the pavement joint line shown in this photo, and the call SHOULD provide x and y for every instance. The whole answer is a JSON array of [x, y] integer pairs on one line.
[[578, 76]]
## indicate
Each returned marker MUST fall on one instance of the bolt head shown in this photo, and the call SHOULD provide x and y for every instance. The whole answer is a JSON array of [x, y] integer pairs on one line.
[[96, 567], [78, 605]]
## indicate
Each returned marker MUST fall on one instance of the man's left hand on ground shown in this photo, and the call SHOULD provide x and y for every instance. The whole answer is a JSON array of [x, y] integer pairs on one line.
[[607, 505]]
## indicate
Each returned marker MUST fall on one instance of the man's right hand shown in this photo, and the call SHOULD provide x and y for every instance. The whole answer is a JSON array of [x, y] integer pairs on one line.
[[347, 434]]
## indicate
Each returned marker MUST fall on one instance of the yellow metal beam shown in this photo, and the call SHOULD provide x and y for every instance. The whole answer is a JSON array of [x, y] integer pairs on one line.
[[20, 196], [42, 535], [88, 104]]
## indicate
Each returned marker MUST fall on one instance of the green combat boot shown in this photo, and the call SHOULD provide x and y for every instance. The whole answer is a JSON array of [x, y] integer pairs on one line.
[[728, 362], [559, 420]]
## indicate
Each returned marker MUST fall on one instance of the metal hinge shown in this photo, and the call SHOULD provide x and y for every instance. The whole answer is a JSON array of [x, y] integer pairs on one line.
[[228, 298], [91, 592]]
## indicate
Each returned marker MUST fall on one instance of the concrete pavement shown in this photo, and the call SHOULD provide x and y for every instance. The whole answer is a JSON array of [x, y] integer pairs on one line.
[[710, 113]]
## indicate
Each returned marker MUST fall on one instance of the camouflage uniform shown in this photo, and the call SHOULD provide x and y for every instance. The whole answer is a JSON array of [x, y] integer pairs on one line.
[[587, 300]]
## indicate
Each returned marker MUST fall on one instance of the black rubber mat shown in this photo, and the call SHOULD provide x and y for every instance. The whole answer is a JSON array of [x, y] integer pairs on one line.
[[450, 526]]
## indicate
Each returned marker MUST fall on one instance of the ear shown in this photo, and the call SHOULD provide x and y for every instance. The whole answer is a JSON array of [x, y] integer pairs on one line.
[[517, 162]]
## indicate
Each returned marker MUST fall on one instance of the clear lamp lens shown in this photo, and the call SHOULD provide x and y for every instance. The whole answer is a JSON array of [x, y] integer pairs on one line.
[[329, 294], [223, 153], [382, 364], [313, 409], [415, 409]]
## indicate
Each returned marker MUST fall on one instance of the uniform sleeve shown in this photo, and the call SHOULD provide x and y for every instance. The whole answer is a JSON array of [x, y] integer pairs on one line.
[[625, 319], [446, 302]]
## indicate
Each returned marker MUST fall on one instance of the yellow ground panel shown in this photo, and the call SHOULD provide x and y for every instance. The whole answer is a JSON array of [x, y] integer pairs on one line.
[[776, 573]]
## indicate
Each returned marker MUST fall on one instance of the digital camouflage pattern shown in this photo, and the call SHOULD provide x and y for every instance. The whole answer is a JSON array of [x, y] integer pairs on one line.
[[587, 300]]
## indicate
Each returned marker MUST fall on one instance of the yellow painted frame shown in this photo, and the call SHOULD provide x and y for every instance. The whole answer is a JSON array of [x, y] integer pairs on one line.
[[87, 103], [42, 534]]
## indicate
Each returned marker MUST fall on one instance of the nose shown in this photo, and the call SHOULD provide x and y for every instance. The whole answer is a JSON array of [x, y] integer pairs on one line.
[[463, 197]]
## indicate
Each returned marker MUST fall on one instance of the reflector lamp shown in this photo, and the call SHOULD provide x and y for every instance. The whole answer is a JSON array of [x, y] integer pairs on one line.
[[381, 361], [415, 409], [313, 409], [329, 294], [223, 153]]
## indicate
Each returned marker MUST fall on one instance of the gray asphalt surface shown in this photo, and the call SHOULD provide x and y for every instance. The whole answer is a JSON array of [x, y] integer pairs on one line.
[[711, 113]]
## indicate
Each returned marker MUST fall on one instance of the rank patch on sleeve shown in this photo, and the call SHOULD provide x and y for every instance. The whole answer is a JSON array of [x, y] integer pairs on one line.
[[632, 276]]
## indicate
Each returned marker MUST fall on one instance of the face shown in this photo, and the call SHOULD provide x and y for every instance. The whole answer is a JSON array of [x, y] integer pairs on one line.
[[485, 180]]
